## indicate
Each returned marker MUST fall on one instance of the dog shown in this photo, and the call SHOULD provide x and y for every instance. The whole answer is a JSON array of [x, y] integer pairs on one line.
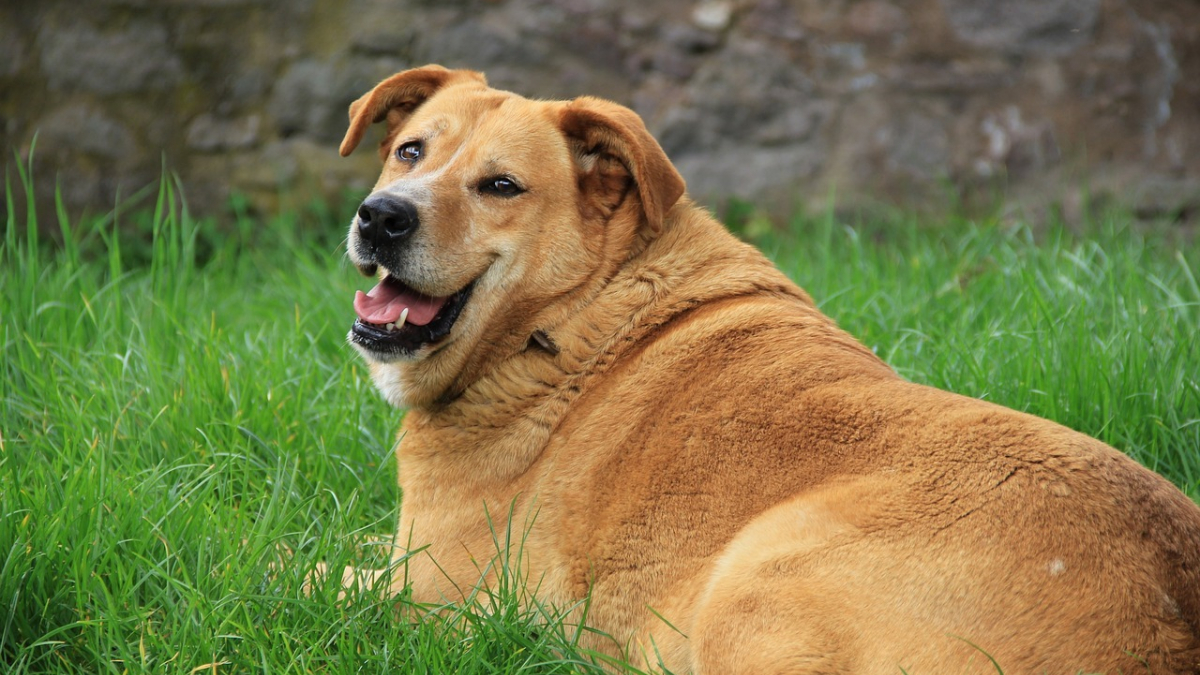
[[735, 484]]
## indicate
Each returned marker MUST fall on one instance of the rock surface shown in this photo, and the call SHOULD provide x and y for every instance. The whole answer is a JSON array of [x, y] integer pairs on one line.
[[783, 102]]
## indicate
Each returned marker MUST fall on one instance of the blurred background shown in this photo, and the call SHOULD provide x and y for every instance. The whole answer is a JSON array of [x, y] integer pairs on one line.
[[1047, 106]]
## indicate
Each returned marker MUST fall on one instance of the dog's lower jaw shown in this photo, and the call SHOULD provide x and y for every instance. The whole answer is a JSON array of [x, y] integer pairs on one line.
[[374, 357]]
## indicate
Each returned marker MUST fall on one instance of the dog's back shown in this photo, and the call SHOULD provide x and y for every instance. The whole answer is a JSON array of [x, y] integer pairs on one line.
[[837, 516]]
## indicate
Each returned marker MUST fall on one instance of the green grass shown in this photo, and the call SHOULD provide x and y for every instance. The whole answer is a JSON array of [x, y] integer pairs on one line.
[[184, 434]]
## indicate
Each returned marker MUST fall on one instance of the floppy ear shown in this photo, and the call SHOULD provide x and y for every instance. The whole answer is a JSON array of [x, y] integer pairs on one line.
[[397, 97], [601, 132]]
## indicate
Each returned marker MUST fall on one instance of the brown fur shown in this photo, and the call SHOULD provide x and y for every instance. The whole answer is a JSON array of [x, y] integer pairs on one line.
[[699, 443]]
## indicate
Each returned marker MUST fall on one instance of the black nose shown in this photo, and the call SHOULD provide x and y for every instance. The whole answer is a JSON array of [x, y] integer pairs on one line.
[[384, 220]]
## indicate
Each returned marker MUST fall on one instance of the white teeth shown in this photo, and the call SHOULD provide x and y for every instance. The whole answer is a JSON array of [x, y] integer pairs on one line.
[[392, 327]]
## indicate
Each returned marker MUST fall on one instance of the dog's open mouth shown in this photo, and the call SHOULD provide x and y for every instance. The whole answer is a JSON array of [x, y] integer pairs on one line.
[[396, 319]]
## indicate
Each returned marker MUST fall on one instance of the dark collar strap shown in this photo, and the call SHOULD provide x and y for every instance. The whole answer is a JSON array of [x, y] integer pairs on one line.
[[542, 340]]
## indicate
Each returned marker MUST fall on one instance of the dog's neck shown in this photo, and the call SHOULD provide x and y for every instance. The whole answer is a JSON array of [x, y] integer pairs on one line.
[[506, 415], [684, 267]]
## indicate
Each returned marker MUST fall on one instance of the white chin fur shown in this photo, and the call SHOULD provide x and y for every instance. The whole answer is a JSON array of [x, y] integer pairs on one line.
[[387, 380], [373, 358], [385, 373]]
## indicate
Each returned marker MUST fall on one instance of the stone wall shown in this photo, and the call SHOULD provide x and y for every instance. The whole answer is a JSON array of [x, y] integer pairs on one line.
[[781, 101]]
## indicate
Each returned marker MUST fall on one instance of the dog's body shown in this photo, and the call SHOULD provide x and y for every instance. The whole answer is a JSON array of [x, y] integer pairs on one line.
[[739, 485]]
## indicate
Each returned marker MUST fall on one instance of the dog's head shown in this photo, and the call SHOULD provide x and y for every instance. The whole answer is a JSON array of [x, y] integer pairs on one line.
[[493, 217]]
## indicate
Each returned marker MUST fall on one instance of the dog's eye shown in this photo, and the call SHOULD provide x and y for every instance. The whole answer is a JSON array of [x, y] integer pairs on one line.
[[409, 152], [502, 186]]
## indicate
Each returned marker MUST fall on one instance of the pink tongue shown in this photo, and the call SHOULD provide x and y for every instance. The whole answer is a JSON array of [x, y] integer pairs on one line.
[[384, 303]]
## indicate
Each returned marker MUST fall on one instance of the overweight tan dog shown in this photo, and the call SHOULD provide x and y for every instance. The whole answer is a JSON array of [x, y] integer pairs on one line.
[[740, 485]]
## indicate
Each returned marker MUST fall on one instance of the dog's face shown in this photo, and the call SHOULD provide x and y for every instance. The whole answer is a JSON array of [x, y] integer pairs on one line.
[[492, 215]]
